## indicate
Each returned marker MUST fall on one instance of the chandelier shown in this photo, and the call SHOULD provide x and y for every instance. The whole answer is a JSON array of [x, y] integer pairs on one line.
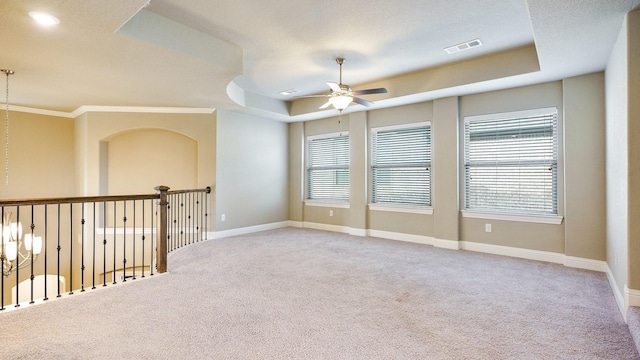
[[14, 252]]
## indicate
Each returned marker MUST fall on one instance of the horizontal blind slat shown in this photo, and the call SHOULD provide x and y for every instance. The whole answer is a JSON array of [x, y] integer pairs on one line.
[[401, 166], [328, 168], [511, 164]]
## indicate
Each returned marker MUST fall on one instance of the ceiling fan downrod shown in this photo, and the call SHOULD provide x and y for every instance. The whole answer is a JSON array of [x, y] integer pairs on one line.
[[340, 61]]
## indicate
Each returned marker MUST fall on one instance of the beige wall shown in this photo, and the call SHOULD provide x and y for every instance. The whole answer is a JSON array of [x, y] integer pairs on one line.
[[296, 171], [633, 30], [252, 181], [41, 156], [99, 127], [584, 158], [532, 236], [445, 169], [152, 157], [583, 113], [616, 161]]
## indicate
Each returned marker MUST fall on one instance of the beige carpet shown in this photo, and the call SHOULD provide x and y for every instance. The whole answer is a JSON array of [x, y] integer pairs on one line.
[[305, 294]]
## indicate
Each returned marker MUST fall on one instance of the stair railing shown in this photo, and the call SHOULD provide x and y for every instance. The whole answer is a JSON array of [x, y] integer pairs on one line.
[[76, 243]]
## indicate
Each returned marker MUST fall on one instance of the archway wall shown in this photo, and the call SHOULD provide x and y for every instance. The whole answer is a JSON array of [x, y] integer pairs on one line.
[[168, 133]]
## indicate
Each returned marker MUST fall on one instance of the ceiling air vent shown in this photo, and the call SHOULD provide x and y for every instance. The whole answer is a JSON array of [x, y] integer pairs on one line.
[[463, 46], [289, 92]]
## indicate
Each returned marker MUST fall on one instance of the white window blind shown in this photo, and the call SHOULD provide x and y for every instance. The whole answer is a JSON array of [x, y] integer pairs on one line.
[[511, 162], [401, 165], [328, 167]]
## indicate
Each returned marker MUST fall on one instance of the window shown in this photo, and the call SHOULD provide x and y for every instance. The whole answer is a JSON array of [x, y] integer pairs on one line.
[[328, 167], [401, 165], [511, 162]]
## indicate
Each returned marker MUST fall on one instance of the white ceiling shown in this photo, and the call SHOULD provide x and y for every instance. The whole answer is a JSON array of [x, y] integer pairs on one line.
[[198, 53]]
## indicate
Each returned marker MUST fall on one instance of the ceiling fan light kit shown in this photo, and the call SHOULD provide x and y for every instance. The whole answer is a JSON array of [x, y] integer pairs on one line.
[[342, 95], [340, 102]]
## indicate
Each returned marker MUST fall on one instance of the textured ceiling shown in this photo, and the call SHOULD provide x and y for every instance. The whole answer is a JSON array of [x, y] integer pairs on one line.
[[239, 54]]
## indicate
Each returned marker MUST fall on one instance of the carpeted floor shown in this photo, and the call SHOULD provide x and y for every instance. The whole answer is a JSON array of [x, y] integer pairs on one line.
[[306, 294]]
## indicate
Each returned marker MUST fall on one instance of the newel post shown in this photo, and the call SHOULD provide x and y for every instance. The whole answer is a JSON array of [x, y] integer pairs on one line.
[[161, 248]]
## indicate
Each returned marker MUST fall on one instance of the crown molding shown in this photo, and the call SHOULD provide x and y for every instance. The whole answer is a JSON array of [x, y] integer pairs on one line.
[[140, 109], [122, 109], [40, 111]]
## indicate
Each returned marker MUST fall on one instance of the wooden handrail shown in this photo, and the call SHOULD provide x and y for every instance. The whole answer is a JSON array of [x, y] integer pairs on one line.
[[88, 199], [77, 199], [205, 190]]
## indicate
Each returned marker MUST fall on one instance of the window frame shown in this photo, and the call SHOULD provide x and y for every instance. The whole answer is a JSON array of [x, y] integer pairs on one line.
[[406, 207], [521, 214], [324, 201]]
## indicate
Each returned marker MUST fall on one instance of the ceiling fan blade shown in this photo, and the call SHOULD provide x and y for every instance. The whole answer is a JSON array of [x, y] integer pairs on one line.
[[362, 101], [325, 105], [334, 86], [370, 91]]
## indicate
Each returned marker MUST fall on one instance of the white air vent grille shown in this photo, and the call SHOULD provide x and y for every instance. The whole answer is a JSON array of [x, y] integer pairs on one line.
[[289, 92], [463, 46]]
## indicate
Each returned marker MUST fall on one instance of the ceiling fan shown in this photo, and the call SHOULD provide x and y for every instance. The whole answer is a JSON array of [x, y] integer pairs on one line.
[[342, 95]]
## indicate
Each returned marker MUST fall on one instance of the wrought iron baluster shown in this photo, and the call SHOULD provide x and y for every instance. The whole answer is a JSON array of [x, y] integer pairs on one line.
[[134, 240], [124, 242], [192, 217], [182, 217], [82, 252], [104, 244], [153, 236], [70, 249], [188, 210], [143, 237], [2, 257], [32, 277], [113, 274], [199, 216], [46, 242], [93, 249], [17, 304], [58, 248], [206, 212], [171, 238]]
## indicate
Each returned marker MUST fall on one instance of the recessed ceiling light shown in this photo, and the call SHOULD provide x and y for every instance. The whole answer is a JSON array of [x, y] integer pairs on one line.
[[44, 19], [289, 92], [463, 46]]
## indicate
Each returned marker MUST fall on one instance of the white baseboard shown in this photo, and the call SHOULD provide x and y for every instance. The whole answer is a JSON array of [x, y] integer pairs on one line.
[[529, 254], [295, 224], [249, 229], [357, 232], [447, 244], [587, 264], [620, 300], [419, 239], [632, 297], [326, 227]]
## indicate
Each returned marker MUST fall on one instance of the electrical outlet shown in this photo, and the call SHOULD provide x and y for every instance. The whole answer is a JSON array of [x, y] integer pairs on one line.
[[330, 212], [223, 217], [487, 227]]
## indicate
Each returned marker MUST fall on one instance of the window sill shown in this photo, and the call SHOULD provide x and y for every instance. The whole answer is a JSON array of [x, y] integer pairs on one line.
[[320, 203], [402, 209], [540, 219]]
